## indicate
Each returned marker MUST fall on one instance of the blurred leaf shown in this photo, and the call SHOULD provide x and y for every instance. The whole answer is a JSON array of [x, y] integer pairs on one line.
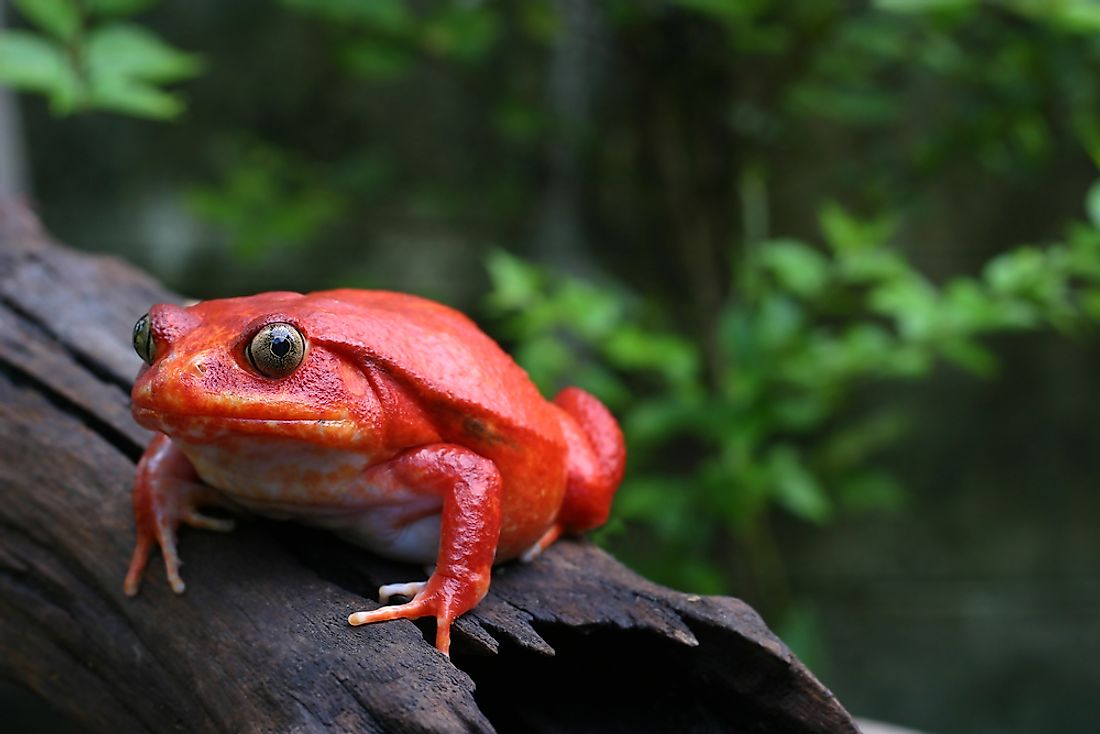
[[591, 312], [125, 61], [795, 487], [515, 282], [465, 33], [268, 198], [519, 122], [779, 321], [117, 7], [33, 63], [846, 234], [373, 58], [634, 349], [911, 302], [134, 98], [391, 16], [720, 9], [851, 445], [969, 355], [1074, 15], [59, 18], [799, 268], [924, 6], [539, 18], [120, 53], [1092, 204], [871, 490], [853, 107], [664, 502]]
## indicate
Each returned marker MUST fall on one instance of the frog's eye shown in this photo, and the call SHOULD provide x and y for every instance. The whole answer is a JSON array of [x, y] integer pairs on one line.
[[276, 350], [143, 340]]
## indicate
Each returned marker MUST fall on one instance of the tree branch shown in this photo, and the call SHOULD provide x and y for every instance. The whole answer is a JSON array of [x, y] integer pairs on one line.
[[572, 642]]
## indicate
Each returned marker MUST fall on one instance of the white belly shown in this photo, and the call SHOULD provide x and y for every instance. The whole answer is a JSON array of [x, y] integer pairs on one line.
[[294, 480]]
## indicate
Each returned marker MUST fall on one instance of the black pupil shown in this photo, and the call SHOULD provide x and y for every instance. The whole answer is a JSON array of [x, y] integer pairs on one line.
[[280, 345]]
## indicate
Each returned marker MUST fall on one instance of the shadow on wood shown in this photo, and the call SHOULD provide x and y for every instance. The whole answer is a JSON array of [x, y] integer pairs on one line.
[[573, 642]]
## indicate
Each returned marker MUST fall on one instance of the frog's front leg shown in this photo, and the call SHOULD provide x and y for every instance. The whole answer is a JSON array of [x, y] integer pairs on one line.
[[167, 492], [470, 487]]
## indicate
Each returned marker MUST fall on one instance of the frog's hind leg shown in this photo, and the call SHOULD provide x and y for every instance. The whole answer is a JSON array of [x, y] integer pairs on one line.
[[597, 456]]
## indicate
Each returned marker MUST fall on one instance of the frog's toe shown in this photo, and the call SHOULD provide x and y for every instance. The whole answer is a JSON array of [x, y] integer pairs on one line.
[[410, 610], [142, 549], [196, 519], [542, 544], [409, 590]]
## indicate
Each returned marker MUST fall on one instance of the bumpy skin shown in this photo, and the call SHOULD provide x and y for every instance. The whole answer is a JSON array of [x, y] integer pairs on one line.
[[405, 429]]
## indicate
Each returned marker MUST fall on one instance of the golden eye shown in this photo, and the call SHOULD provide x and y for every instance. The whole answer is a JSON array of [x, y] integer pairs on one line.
[[143, 340], [276, 350]]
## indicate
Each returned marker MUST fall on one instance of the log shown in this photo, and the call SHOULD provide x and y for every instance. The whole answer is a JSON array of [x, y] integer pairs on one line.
[[572, 642]]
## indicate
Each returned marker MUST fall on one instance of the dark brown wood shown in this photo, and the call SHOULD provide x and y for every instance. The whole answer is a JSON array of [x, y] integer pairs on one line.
[[259, 642]]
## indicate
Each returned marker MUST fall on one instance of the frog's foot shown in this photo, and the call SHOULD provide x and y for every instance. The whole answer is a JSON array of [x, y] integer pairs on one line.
[[542, 543], [441, 597], [165, 536], [166, 495]]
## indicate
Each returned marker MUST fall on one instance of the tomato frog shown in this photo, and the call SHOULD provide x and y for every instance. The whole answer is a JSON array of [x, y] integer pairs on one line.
[[389, 419]]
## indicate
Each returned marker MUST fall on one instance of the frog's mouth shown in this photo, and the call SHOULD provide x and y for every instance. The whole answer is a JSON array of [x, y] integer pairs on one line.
[[206, 428]]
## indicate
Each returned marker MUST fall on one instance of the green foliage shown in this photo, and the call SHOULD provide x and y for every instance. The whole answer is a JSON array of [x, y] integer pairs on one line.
[[778, 421], [268, 199], [82, 59], [383, 39]]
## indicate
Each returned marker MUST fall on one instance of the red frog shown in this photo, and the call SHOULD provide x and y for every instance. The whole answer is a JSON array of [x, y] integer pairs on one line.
[[389, 419]]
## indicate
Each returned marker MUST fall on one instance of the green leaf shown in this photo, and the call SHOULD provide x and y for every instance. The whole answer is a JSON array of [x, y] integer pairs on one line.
[[376, 58], [871, 490], [847, 234], [798, 267], [1092, 204], [1019, 272], [117, 7], [123, 51], [924, 6], [134, 97], [462, 33], [969, 355], [59, 18], [592, 312], [632, 348], [795, 487], [850, 446], [33, 63], [779, 321], [390, 16], [516, 283], [911, 301]]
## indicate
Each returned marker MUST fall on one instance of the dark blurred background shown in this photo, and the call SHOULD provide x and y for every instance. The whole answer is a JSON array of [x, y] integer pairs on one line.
[[835, 265]]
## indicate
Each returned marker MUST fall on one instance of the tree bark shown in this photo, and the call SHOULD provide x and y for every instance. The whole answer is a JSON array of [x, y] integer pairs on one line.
[[259, 642]]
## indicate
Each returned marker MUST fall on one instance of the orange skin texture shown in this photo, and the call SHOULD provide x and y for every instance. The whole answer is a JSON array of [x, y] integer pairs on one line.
[[404, 428]]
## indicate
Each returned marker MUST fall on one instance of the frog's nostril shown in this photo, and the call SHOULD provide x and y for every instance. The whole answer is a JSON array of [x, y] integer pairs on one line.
[[198, 366]]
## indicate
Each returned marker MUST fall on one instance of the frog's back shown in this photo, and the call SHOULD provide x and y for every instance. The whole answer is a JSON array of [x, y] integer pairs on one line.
[[439, 353]]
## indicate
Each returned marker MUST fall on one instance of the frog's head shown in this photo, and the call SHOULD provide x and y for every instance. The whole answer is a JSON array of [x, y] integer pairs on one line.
[[245, 366]]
